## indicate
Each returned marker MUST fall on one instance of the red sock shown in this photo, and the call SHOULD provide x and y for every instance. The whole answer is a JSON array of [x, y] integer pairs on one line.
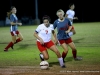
[[64, 55], [9, 45], [74, 53], [18, 40]]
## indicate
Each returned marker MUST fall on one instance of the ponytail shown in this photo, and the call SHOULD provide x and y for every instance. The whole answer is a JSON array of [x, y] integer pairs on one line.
[[8, 14]]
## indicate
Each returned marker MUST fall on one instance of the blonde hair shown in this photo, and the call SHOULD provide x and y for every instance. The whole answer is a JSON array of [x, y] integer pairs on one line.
[[60, 10]]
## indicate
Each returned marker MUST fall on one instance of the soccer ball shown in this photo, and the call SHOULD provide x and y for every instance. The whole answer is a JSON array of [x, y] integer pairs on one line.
[[44, 65]]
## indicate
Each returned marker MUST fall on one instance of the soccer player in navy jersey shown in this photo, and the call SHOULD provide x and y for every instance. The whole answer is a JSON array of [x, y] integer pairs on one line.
[[14, 28], [64, 26]]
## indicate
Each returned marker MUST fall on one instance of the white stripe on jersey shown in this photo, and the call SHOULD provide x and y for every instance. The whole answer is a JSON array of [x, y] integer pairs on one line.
[[11, 28]]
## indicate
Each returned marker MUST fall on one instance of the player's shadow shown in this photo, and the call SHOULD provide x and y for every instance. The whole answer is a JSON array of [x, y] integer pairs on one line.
[[77, 40], [68, 59], [24, 46], [3, 42], [53, 63]]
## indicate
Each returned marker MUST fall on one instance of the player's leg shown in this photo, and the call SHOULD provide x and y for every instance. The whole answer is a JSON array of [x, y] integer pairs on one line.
[[53, 47], [20, 37], [74, 51], [13, 34], [64, 46], [44, 54]]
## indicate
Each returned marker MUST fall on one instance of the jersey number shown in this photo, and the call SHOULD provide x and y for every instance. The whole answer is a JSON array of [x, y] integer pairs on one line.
[[46, 31]]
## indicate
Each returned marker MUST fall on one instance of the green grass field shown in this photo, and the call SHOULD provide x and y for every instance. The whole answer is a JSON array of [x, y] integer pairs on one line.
[[25, 53]]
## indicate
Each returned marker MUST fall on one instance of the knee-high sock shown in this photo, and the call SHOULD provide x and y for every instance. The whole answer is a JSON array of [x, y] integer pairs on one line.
[[18, 40], [61, 61], [64, 55], [9, 45], [74, 52]]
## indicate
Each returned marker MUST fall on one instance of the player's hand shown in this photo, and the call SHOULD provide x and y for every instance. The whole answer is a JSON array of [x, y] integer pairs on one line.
[[67, 31], [41, 41], [20, 24], [76, 18], [56, 41]]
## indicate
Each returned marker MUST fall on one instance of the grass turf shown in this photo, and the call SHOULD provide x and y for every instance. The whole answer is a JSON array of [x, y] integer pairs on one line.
[[25, 53]]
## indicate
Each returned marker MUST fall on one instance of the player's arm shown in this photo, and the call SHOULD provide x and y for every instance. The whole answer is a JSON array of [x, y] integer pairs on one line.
[[39, 38], [54, 25], [75, 18], [12, 21], [70, 27], [36, 35], [66, 15], [54, 34], [55, 37], [68, 18]]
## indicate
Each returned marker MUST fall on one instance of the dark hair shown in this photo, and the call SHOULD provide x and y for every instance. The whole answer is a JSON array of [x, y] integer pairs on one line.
[[46, 17], [9, 13], [71, 4]]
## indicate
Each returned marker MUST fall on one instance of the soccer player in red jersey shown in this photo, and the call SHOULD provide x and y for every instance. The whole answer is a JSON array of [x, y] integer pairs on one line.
[[64, 26], [43, 33], [13, 28]]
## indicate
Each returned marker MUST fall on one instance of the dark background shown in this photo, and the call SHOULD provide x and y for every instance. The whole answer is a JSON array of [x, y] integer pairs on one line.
[[86, 11]]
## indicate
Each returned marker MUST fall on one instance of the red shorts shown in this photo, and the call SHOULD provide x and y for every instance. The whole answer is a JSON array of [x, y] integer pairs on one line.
[[14, 33], [67, 41], [45, 46]]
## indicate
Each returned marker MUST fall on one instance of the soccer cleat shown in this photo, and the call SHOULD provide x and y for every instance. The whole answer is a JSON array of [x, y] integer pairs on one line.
[[78, 58], [5, 50], [63, 66], [41, 57], [12, 47], [63, 60]]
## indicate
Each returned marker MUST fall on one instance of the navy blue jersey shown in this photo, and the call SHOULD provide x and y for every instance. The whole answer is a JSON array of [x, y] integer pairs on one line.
[[61, 28], [13, 18]]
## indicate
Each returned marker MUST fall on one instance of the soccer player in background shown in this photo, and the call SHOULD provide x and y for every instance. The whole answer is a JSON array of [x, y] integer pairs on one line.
[[43, 33], [64, 26], [70, 15], [13, 28]]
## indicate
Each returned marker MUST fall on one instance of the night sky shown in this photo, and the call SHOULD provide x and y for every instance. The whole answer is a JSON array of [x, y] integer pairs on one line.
[[85, 11]]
